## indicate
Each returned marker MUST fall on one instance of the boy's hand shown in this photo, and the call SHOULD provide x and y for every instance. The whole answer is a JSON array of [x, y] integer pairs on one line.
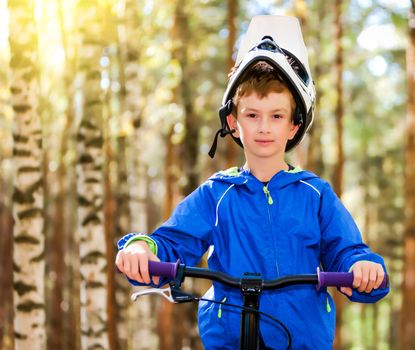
[[133, 262], [367, 277]]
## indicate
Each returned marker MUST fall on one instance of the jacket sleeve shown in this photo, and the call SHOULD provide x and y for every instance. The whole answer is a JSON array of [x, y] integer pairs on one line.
[[341, 243], [187, 234]]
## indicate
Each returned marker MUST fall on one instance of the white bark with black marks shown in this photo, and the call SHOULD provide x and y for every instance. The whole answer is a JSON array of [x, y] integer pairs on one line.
[[28, 194], [90, 183]]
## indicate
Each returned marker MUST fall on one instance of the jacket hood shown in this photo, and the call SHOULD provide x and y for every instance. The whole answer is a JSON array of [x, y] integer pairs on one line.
[[244, 177]]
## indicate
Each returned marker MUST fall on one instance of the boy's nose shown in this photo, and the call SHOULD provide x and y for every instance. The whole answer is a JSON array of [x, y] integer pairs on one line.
[[264, 126]]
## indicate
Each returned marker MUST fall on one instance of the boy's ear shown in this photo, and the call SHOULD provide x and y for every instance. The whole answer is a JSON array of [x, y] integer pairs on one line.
[[293, 131], [232, 122]]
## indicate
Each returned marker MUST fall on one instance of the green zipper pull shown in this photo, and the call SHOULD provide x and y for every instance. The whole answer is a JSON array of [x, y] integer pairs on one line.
[[266, 191], [220, 308], [328, 305]]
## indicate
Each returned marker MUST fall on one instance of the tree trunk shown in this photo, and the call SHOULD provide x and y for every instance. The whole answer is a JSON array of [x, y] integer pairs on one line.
[[315, 150], [109, 223], [90, 184], [28, 194], [72, 279], [58, 317], [59, 231], [6, 272], [338, 168], [184, 317], [231, 146], [301, 12], [189, 147], [169, 177], [408, 287], [64, 318], [165, 313], [169, 319], [122, 226], [375, 331], [131, 201]]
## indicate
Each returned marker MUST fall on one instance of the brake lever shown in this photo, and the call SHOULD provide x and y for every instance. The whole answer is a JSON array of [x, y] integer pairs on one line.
[[164, 292], [172, 294]]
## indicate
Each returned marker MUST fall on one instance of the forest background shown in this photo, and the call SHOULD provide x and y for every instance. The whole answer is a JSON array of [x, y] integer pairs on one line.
[[107, 111]]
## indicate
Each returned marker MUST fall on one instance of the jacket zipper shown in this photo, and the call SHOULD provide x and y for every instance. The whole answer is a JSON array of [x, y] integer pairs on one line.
[[268, 195], [328, 305], [220, 308], [270, 202]]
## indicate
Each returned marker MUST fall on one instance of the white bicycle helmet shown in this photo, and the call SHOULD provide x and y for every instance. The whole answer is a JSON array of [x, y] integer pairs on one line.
[[278, 41]]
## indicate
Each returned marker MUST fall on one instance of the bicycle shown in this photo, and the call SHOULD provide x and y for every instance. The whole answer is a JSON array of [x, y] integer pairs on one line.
[[251, 286]]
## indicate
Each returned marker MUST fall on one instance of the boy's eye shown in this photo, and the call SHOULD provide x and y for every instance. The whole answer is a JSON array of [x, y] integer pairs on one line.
[[277, 116], [251, 115]]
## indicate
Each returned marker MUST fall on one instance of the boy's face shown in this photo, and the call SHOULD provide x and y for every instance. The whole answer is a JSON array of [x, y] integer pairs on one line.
[[264, 125]]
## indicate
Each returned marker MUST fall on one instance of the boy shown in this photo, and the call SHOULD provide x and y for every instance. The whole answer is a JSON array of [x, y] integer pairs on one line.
[[267, 216]]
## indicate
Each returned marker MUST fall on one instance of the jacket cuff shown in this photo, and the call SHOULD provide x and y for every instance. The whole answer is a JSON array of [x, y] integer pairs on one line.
[[143, 237]]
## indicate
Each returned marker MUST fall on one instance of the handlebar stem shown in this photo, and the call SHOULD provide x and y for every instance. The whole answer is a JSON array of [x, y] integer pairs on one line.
[[251, 288]]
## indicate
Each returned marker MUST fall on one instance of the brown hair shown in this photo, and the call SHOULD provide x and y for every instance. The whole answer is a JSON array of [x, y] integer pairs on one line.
[[260, 78]]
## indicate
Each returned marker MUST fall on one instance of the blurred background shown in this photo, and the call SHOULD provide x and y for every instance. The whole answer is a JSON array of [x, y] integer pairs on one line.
[[107, 112]]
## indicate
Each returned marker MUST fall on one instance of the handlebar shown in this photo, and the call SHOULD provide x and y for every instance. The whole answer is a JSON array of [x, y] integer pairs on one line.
[[320, 279]]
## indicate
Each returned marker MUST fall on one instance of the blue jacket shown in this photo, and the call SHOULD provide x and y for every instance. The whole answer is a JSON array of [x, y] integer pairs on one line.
[[291, 226]]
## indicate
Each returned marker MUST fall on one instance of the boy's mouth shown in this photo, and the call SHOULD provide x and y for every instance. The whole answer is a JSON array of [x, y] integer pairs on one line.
[[264, 142]]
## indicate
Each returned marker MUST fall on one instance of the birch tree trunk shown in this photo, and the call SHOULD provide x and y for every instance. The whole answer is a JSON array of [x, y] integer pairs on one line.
[[94, 320], [408, 309], [28, 196]]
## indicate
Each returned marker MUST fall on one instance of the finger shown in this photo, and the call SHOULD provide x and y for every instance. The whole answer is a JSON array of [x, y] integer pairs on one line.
[[135, 271], [119, 262], [126, 267], [154, 257], [134, 265], [155, 279], [365, 278], [136, 277], [357, 277], [372, 278], [346, 290], [127, 270], [380, 277], [144, 269]]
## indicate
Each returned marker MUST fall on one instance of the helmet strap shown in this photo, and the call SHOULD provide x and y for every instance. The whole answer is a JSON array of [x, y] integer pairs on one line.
[[298, 117], [222, 133], [224, 111]]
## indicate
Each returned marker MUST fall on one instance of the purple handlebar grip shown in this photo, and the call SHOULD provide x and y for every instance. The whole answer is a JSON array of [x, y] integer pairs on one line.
[[340, 279], [163, 269]]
